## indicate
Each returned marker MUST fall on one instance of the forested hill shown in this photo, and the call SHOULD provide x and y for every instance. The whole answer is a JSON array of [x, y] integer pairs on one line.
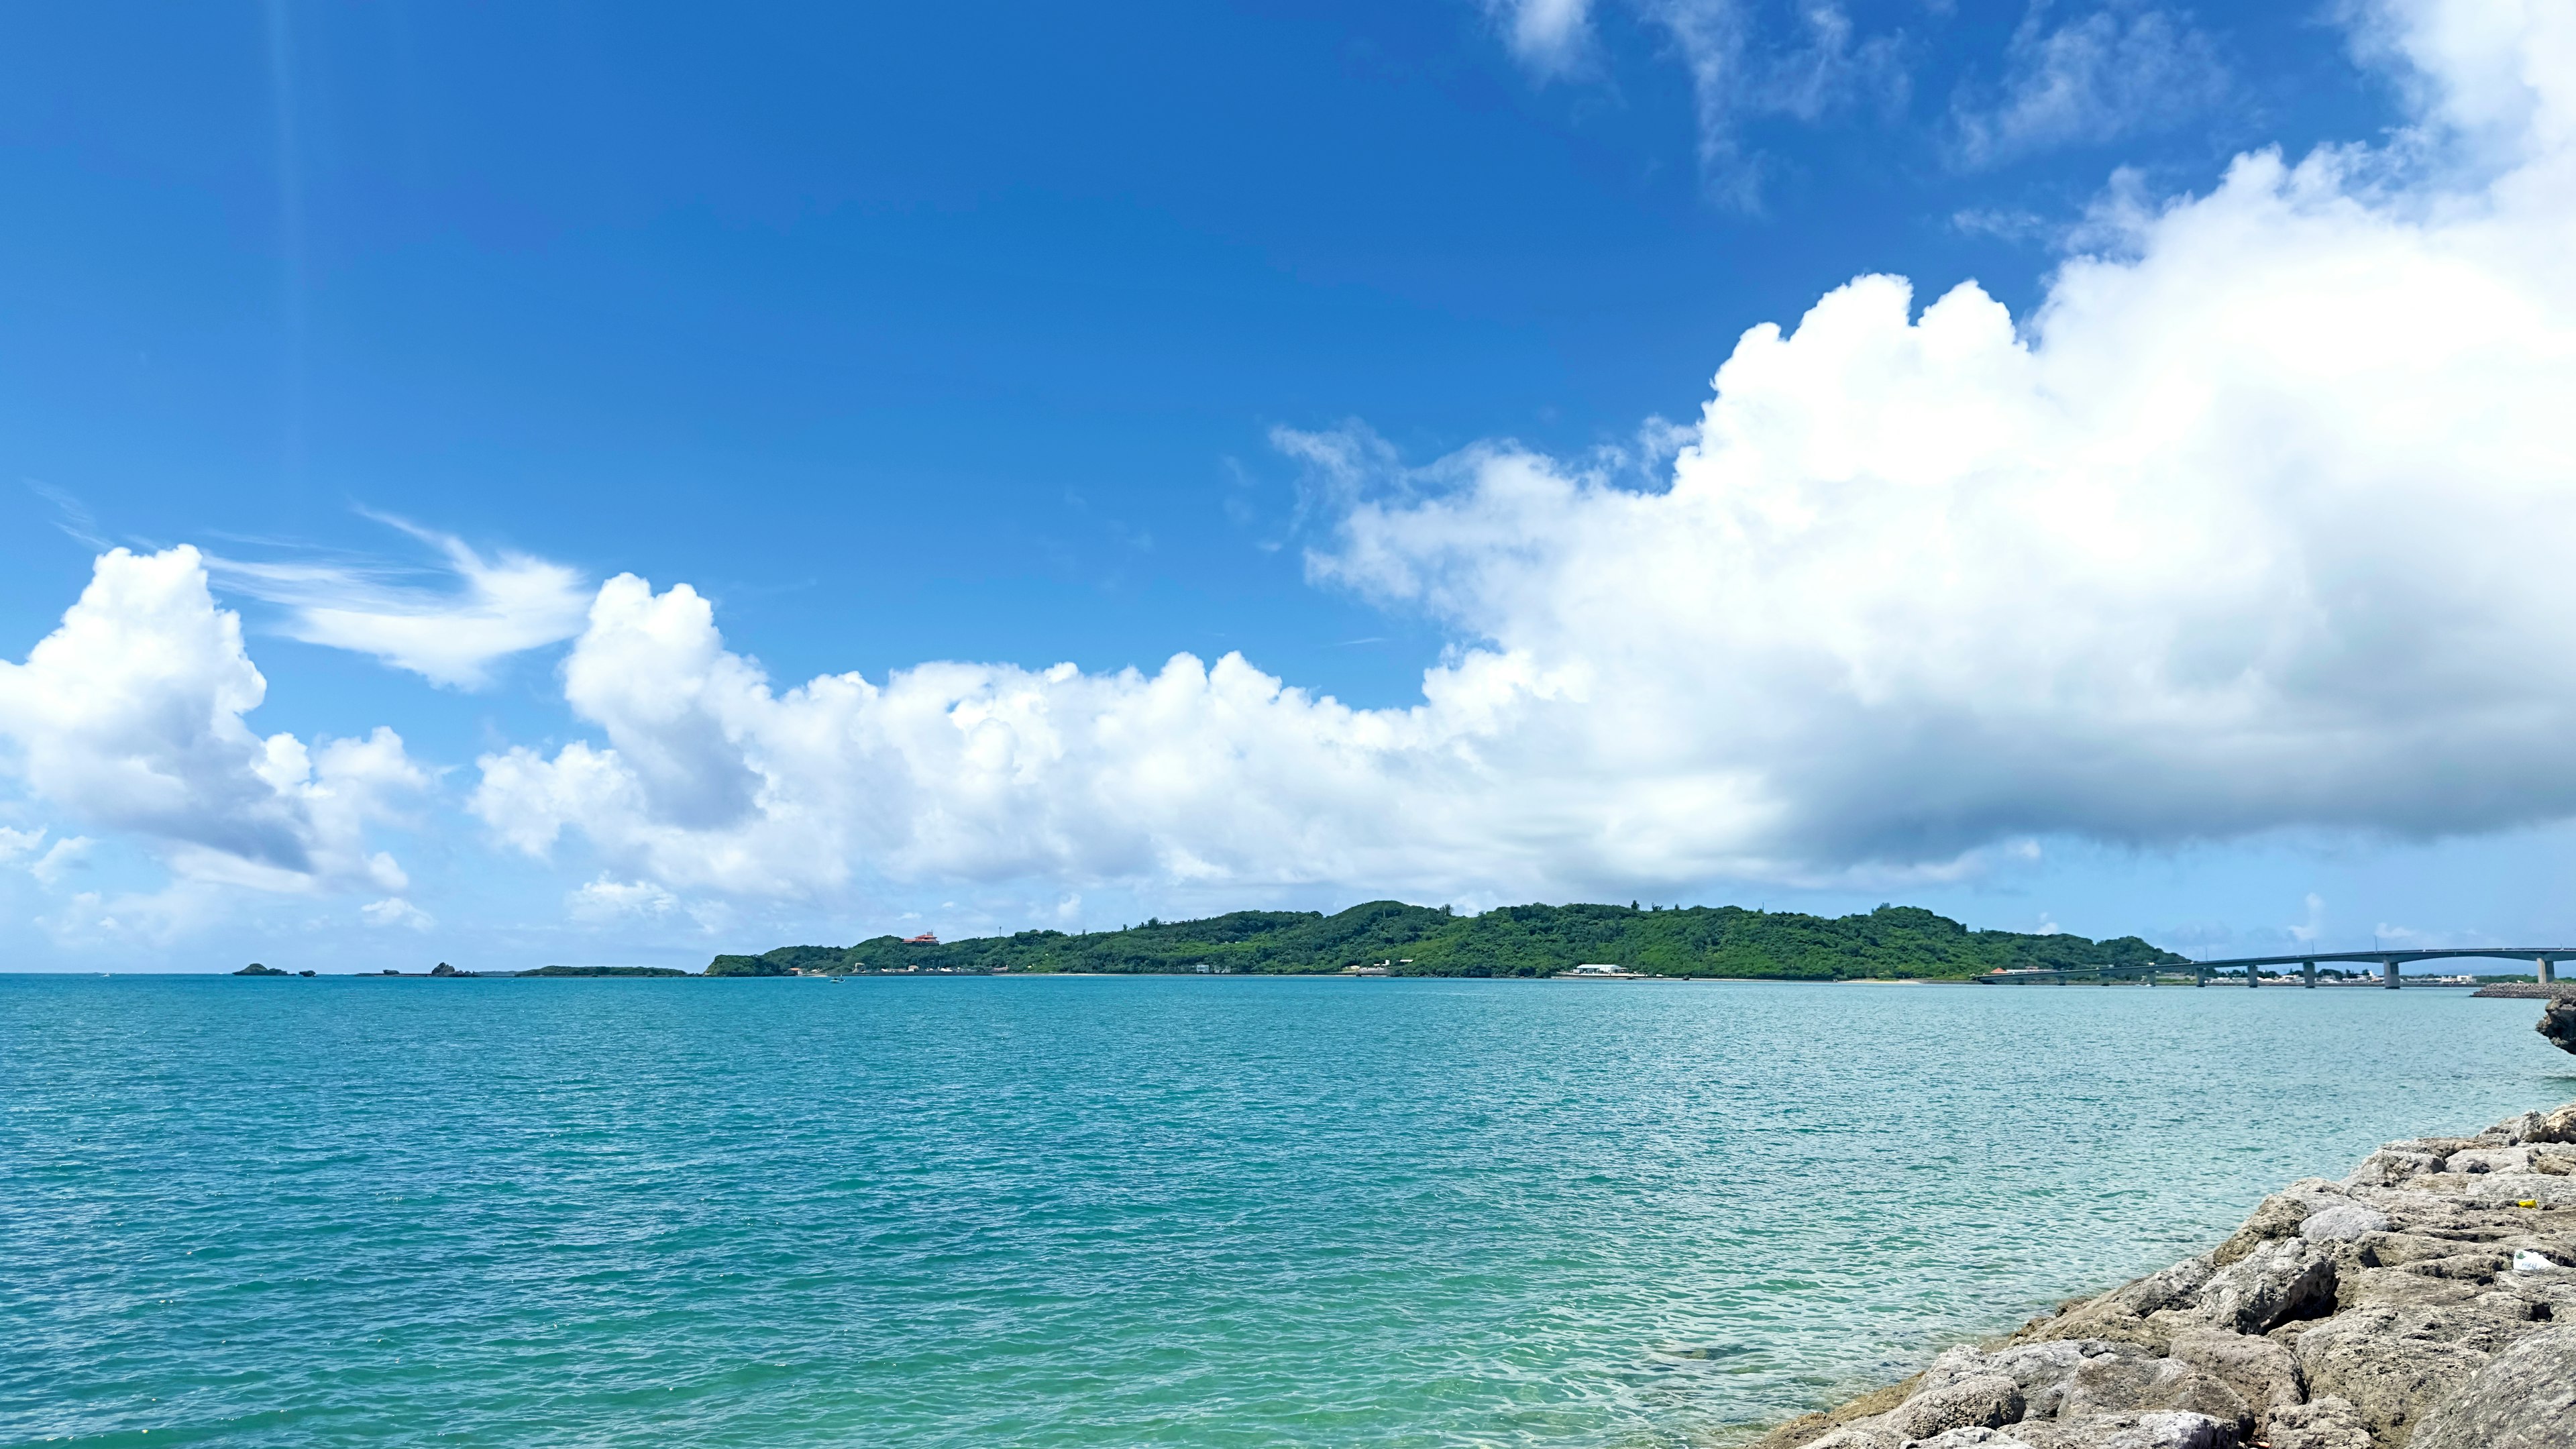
[[1510, 941]]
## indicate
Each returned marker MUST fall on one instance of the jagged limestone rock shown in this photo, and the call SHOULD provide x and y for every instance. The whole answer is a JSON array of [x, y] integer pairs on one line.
[[2324, 1422], [1986, 1401], [2110, 1431], [2525, 1398], [2393, 1364], [2343, 1222], [2277, 1282], [2394, 1305], [2262, 1372]]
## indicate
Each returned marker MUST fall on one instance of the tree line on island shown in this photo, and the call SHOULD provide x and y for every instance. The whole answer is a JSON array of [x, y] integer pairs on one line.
[[1509, 941]]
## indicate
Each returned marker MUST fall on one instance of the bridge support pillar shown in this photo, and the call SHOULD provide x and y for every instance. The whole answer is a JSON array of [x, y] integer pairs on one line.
[[2388, 974], [2200, 976], [2546, 974], [2253, 975], [2308, 974]]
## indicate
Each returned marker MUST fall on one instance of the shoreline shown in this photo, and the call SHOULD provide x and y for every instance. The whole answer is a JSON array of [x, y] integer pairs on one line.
[[2426, 1301]]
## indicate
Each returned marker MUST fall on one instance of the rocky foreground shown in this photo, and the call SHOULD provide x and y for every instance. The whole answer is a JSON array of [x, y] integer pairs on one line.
[[2428, 1300]]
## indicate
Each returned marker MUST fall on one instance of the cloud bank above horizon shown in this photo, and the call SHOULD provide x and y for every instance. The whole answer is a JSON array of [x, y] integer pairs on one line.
[[2253, 524]]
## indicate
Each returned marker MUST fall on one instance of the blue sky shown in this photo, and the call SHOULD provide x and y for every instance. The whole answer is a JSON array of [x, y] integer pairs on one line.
[[1026, 336]]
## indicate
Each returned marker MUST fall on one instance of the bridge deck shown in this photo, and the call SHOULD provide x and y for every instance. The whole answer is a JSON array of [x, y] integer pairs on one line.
[[2544, 958]]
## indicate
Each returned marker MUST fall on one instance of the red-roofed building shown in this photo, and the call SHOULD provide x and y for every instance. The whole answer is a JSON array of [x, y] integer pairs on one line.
[[926, 938]]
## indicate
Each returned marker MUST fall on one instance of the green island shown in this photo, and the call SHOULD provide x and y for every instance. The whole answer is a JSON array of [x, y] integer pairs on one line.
[[1523, 941]]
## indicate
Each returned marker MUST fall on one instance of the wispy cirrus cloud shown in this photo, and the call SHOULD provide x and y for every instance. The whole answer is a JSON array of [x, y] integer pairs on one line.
[[2120, 71], [450, 630], [1820, 66]]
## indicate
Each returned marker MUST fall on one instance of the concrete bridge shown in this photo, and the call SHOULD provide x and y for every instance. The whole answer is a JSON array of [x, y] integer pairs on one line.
[[2545, 957]]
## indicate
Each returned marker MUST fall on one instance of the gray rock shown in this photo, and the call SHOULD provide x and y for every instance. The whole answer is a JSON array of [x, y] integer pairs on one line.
[[2392, 1364], [2558, 1023], [2407, 1290], [2120, 1431], [1862, 1435], [1971, 1438], [2273, 1284], [2407, 1303], [2478, 1265], [2127, 1314], [2489, 1159], [2128, 1384], [2264, 1373], [2519, 1129], [2174, 1287], [2490, 1190], [2342, 1223], [2042, 1371], [1985, 1401], [2321, 1423], [2277, 1216], [2401, 1249], [2390, 1165], [2524, 1399]]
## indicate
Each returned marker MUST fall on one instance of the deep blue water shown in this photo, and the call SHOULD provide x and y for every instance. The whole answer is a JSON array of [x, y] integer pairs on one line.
[[1154, 1211]]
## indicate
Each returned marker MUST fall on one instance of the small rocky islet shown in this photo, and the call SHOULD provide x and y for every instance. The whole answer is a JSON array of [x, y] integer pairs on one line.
[[2426, 1301]]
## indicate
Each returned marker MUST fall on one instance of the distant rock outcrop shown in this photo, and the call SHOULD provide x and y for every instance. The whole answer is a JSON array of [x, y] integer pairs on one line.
[[2558, 1023], [256, 969], [2423, 1302]]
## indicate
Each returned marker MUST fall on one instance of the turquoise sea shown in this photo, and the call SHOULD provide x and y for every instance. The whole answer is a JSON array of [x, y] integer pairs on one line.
[[1145, 1211]]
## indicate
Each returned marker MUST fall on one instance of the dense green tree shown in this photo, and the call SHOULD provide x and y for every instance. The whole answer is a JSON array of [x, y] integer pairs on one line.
[[1532, 940]]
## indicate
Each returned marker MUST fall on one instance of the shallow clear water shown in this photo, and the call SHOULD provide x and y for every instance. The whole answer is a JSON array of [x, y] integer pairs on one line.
[[1122, 1211]]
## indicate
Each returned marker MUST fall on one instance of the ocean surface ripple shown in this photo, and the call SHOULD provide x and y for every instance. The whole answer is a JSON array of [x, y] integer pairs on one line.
[[1147, 1211]]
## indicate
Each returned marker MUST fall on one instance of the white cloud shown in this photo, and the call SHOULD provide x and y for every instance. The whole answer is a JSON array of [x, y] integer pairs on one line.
[[1549, 35], [15, 843], [2256, 524], [67, 855], [2316, 920], [132, 918], [1733, 78], [2120, 71], [608, 899], [713, 780], [129, 717], [395, 911], [499, 607], [1735, 74]]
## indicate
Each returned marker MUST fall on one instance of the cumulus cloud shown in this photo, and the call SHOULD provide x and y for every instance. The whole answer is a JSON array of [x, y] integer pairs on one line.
[[608, 899], [452, 636], [395, 911], [2256, 523], [129, 717], [712, 779], [2120, 71]]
